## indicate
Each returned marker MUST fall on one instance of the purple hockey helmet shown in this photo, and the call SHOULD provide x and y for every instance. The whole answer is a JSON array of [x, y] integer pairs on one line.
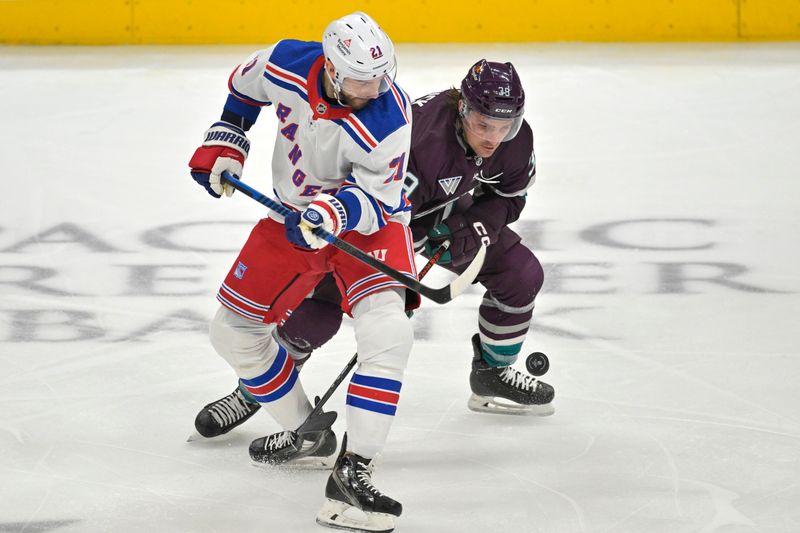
[[494, 90]]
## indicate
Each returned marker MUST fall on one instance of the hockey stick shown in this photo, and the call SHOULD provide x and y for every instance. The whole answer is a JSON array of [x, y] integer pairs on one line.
[[440, 296], [318, 422]]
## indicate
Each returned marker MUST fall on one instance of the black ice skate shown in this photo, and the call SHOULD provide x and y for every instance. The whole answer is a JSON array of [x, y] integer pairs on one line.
[[218, 418], [352, 501], [312, 448], [506, 390]]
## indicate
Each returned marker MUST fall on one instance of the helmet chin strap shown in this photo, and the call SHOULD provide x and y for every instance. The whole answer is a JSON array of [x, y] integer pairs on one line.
[[337, 89], [462, 140]]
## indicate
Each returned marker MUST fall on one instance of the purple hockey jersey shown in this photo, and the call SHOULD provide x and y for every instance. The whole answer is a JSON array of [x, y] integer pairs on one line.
[[443, 171]]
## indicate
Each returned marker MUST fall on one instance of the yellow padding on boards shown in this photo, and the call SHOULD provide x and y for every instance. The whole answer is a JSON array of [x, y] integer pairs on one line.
[[65, 22], [770, 19], [424, 21]]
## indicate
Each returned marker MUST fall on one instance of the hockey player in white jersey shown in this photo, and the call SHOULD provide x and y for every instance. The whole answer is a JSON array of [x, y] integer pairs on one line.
[[339, 161]]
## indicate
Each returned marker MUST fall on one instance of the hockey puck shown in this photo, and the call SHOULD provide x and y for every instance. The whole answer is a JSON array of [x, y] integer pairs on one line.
[[537, 364]]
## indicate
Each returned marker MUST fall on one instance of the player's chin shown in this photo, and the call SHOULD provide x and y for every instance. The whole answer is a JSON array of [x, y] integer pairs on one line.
[[358, 103], [487, 150]]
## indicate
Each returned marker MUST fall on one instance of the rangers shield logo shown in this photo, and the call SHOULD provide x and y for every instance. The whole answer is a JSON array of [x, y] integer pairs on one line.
[[240, 269]]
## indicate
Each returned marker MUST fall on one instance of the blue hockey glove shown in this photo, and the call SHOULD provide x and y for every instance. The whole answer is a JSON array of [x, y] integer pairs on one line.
[[325, 212]]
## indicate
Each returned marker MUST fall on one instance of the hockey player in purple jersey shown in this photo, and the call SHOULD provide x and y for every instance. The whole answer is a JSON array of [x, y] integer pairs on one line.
[[471, 165]]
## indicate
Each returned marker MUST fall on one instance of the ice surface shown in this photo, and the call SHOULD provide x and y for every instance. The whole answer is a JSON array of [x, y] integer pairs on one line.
[[665, 213]]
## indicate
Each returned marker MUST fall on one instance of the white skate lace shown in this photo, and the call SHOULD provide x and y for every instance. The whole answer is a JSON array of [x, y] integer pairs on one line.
[[280, 440], [229, 409], [365, 478], [518, 380]]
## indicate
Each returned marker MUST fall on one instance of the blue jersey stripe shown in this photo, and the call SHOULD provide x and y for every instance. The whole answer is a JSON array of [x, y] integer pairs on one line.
[[285, 85], [382, 286], [296, 56], [238, 296], [376, 206], [246, 98], [353, 206], [383, 116], [235, 105], [403, 96], [235, 308], [353, 134]]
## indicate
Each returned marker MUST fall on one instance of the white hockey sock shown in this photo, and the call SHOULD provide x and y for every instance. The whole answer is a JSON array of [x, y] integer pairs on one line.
[[279, 390], [264, 367], [367, 426], [384, 337]]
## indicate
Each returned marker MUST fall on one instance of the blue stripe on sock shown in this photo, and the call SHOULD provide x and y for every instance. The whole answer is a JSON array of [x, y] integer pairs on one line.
[[377, 383], [368, 405], [273, 371], [282, 390]]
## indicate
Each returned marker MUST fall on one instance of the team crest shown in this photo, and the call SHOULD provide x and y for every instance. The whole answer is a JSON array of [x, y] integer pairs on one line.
[[476, 71], [449, 185], [321, 108], [240, 269]]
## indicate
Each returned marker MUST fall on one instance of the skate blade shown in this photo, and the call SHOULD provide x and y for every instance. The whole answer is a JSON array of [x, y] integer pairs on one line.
[[340, 515], [232, 438], [489, 404], [195, 436], [303, 463]]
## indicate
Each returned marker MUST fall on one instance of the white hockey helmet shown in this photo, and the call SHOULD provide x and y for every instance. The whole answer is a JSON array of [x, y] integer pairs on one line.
[[359, 50]]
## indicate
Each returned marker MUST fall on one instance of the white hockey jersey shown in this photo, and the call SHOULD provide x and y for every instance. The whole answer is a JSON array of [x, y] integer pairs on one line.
[[358, 156]]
